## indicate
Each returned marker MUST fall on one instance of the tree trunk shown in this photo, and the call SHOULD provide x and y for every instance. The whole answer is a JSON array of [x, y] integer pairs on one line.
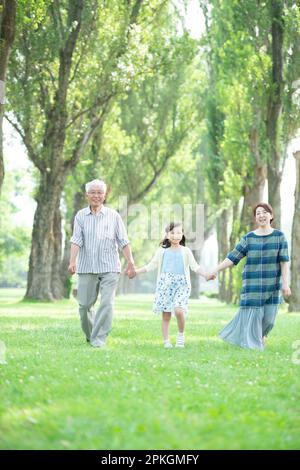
[[65, 277], [195, 278], [199, 199], [51, 160], [230, 295], [252, 195], [57, 287], [294, 302], [46, 244], [7, 33], [223, 248], [274, 197], [275, 163], [45, 258]]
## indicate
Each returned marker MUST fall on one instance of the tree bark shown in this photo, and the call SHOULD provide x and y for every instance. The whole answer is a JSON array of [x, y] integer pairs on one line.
[[199, 199], [223, 249], [294, 301], [195, 278], [7, 33], [275, 163], [252, 195], [45, 257], [57, 287], [65, 277], [45, 243], [231, 295]]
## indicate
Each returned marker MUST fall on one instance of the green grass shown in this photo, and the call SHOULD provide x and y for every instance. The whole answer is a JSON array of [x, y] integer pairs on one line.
[[56, 392]]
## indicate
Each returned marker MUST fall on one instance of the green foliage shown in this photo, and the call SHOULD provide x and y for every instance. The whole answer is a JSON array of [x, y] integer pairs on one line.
[[14, 239], [236, 95], [173, 110], [146, 143], [31, 13]]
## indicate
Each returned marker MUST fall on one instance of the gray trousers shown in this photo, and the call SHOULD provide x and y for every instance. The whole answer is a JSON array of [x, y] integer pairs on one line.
[[96, 326]]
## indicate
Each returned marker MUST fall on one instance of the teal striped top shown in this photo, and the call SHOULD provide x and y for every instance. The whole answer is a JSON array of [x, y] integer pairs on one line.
[[262, 271]]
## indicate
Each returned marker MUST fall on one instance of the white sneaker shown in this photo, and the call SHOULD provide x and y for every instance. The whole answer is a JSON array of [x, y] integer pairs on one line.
[[168, 345]]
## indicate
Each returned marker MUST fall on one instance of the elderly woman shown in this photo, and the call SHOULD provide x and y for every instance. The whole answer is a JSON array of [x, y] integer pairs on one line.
[[265, 274]]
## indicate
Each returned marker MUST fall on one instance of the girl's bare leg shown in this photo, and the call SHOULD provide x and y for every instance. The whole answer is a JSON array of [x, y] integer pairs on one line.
[[166, 316], [180, 319]]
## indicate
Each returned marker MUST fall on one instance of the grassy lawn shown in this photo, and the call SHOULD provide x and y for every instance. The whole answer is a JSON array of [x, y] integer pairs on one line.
[[56, 392]]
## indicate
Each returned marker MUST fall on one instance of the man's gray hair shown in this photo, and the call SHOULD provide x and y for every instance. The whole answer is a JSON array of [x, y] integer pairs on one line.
[[95, 183]]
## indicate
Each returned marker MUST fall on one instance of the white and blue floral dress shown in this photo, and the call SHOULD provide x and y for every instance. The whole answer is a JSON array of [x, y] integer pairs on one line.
[[172, 289]]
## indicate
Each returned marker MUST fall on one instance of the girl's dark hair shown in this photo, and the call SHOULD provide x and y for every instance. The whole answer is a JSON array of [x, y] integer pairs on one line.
[[165, 243], [265, 206]]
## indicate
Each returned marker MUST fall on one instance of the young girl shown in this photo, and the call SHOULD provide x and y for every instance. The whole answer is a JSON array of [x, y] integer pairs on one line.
[[173, 261], [265, 274]]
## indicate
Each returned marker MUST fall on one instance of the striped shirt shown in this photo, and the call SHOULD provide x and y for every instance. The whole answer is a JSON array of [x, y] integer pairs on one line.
[[98, 236], [262, 272]]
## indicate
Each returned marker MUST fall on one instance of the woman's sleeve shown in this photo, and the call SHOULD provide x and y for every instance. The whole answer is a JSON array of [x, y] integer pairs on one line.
[[192, 262], [283, 249], [239, 251]]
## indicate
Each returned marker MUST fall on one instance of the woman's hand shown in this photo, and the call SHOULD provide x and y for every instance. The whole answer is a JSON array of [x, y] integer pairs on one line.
[[286, 291]]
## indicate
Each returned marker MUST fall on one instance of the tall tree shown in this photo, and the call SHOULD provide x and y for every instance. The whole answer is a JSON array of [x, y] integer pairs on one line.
[[144, 130], [7, 33], [274, 121], [294, 301], [62, 84], [291, 127]]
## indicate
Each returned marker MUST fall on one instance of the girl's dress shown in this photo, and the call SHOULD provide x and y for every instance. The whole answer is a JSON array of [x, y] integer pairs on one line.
[[260, 294], [173, 278]]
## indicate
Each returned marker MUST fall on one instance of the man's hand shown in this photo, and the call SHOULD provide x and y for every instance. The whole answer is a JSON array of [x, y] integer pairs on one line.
[[72, 268], [130, 270]]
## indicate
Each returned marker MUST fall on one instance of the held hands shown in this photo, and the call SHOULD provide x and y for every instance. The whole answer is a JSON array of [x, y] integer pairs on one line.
[[130, 270], [210, 276]]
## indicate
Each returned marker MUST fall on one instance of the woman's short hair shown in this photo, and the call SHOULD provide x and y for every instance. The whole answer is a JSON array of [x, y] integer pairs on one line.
[[265, 206]]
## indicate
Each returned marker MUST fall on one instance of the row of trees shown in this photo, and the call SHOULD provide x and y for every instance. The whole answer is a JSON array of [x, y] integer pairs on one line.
[[252, 54], [120, 89]]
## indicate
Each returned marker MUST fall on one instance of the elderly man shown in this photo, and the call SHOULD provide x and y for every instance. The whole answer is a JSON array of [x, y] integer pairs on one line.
[[98, 232]]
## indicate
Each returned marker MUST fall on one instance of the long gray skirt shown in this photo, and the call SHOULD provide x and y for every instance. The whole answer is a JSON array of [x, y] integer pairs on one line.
[[249, 326]]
